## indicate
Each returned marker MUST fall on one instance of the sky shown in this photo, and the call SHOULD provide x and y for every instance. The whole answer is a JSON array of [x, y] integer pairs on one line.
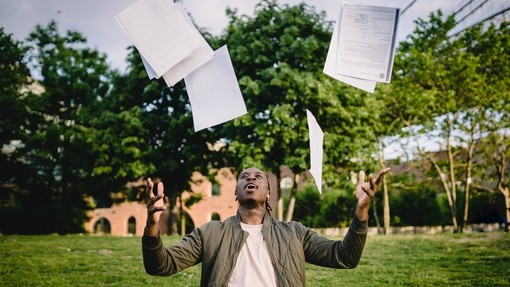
[[95, 18]]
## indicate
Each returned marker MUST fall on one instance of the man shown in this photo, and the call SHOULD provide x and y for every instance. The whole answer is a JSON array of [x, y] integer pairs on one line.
[[252, 248]]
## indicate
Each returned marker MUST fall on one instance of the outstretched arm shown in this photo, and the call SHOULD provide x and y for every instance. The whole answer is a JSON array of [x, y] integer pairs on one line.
[[347, 252], [157, 259]]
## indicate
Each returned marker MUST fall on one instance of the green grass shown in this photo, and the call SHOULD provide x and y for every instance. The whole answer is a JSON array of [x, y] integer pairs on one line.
[[398, 260]]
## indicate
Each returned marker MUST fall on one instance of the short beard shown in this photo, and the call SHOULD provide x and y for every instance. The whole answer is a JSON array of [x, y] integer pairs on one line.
[[249, 203]]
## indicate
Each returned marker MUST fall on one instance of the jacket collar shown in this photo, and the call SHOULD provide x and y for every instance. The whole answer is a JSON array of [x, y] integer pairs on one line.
[[266, 222]]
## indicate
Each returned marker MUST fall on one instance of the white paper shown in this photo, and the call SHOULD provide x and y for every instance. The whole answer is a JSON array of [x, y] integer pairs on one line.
[[366, 41], [159, 32], [150, 72], [316, 142], [197, 58], [329, 66], [214, 93]]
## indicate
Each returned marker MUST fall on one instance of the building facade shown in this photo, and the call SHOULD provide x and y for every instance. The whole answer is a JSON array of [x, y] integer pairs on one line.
[[217, 203]]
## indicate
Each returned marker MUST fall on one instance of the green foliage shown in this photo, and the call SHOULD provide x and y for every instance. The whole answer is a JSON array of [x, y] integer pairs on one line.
[[278, 56], [452, 89], [173, 150], [275, 80], [307, 204], [15, 77], [13, 100], [420, 207], [51, 147], [332, 208], [90, 130], [194, 198], [487, 207], [71, 146], [419, 70]]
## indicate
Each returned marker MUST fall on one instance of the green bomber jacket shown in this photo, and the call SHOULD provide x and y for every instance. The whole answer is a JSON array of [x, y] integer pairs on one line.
[[217, 244]]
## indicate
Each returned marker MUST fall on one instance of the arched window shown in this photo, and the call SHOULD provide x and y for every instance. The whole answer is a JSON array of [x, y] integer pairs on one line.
[[215, 216], [102, 226], [215, 189], [131, 225]]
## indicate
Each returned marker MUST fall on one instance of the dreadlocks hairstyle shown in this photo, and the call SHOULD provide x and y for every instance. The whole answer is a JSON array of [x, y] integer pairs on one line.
[[268, 207]]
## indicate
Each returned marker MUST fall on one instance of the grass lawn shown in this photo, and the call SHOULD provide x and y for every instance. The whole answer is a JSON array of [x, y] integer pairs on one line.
[[481, 259]]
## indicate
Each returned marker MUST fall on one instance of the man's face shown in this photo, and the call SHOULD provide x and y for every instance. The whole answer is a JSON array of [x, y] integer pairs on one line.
[[252, 185]]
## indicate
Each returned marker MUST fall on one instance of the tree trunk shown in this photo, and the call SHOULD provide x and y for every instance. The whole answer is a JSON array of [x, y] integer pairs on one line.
[[451, 202], [292, 202], [453, 186], [446, 188], [467, 187], [386, 200], [503, 188], [173, 211], [292, 199], [280, 207], [500, 160], [280, 196], [376, 216], [448, 183], [506, 196], [183, 219]]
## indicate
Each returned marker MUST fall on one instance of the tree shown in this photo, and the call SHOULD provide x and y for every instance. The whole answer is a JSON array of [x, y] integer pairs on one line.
[[444, 88], [491, 46], [410, 100], [278, 56], [92, 130], [14, 82], [14, 85], [498, 181], [55, 145], [58, 141], [174, 150], [417, 83]]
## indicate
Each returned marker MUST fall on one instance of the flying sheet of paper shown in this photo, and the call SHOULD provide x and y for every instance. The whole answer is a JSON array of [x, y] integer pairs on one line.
[[150, 72], [197, 58], [329, 66], [366, 41], [200, 56], [214, 93], [159, 32], [316, 142]]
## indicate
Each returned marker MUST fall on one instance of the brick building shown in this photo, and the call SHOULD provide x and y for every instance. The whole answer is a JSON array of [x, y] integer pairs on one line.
[[217, 203], [127, 218]]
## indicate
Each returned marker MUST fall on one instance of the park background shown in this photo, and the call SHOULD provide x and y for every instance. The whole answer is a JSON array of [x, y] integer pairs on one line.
[[77, 133]]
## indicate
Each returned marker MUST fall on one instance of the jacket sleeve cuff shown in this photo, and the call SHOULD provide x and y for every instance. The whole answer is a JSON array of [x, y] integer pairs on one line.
[[151, 242], [359, 226]]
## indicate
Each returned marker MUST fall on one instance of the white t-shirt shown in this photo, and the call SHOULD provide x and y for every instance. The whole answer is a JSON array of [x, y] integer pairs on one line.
[[253, 266]]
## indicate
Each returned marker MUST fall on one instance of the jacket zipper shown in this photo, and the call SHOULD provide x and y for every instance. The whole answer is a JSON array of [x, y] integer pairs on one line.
[[232, 263]]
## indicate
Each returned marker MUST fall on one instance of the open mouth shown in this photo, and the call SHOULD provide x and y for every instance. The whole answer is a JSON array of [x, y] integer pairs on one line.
[[250, 186]]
